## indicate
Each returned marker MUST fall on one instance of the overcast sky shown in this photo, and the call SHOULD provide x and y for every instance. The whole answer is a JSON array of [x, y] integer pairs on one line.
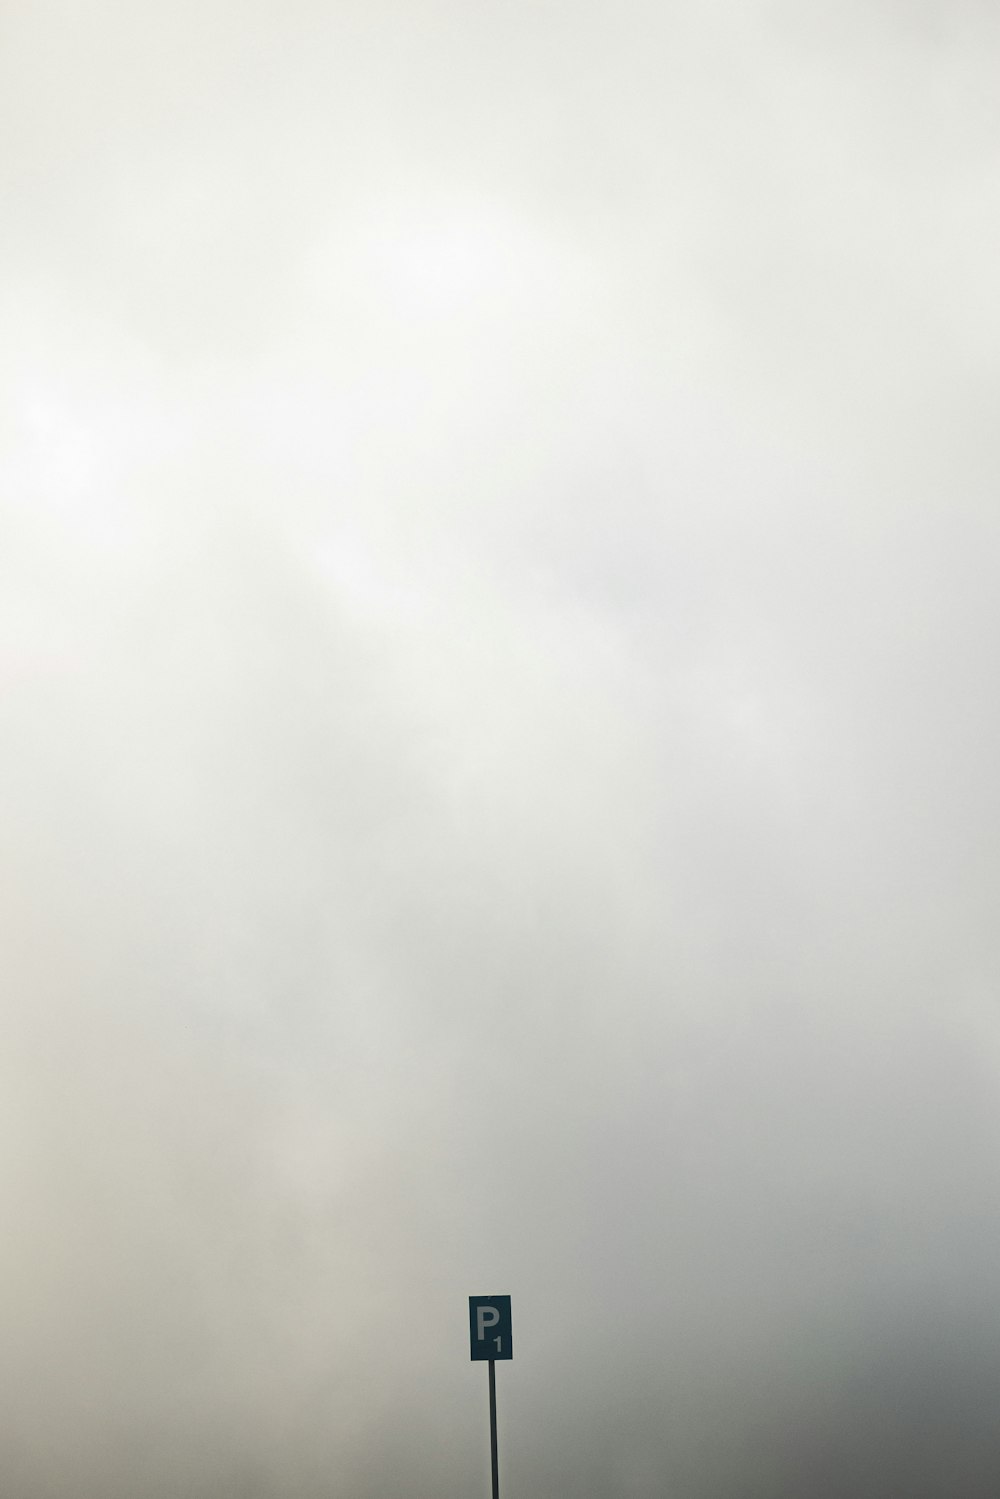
[[499, 648]]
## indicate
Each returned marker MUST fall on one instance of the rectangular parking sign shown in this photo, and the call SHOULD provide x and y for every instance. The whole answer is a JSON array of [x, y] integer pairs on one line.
[[489, 1327]]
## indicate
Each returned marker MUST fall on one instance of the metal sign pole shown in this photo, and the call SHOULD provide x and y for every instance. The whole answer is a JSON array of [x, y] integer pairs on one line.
[[489, 1339], [493, 1429]]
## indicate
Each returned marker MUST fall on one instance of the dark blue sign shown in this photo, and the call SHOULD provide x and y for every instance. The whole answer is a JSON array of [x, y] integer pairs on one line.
[[489, 1327]]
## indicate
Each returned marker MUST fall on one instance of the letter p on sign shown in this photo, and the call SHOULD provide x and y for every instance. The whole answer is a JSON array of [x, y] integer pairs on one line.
[[489, 1327], [486, 1316]]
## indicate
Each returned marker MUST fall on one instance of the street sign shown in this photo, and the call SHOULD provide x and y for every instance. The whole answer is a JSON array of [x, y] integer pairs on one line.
[[489, 1327], [489, 1335]]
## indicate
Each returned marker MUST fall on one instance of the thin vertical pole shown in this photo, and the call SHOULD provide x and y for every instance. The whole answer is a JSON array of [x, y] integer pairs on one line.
[[493, 1429]]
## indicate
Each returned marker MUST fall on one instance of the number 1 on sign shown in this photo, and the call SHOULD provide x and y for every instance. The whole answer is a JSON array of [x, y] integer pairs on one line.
[[497, 1342]]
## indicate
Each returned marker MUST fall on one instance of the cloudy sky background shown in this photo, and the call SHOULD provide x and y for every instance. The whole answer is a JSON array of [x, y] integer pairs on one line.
[[499, 650]]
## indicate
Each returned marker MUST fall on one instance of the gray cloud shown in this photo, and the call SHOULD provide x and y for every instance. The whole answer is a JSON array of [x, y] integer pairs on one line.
[[497, 627]]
